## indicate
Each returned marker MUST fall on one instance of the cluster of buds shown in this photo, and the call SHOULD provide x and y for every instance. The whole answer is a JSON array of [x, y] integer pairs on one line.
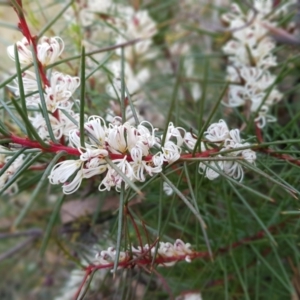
[[136, 152], [227, 141], [166, 255], [250, 56], [58, 89]]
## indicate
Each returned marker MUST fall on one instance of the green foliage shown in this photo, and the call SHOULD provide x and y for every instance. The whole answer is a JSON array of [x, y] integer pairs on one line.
[[249, 230]]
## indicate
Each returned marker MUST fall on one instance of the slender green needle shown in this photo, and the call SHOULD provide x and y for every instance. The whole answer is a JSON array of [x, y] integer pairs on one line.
[[51, 223], [82, 97], [37, 190]]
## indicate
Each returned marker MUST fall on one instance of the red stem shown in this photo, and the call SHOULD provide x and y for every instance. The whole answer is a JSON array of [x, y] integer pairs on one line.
[[145, 258], [127, 212], [51, 147], [24, 28], [54, 148], [271, 152], [88, 271]]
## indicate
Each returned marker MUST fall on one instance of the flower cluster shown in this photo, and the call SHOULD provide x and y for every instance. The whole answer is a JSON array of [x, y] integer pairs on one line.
[[10, 171], [57, 93], [132, 25], [136, 152], [250, 55], [227, 141], [127, 146], [167, 254], [48, 50]]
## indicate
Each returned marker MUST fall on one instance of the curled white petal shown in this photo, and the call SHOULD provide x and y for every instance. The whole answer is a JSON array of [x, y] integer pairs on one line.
[[217, 132], [167, 189], [62, 171], [171, 152], [71, 187]]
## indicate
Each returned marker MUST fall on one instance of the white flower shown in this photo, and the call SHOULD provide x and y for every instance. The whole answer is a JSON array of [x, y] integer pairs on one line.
[[233, 169], [263, 117], [158, 159], [210, 173], [48, 50], [56, 95], [171, 152], [150, 167], [133, 80], [111, 179], [63, 171], [182, 248], [60, 90], [147, 135], [88, 153], [190, 140], [174, 133], [250, 54], [24, 51], [97, 128], [109, 256], [249, 155], [116, 139], [217, 132], [138, 25], [74, 139], [138, 169], [137, 144], [68, 124], [39, 123], [236, 96], [8, 174], [125, 167], [73, 186], [29, 83], [176, 250], [94, 166]]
